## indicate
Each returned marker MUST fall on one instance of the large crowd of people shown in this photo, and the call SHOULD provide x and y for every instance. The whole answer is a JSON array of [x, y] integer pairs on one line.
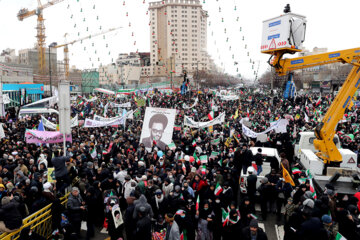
[[165, 193]]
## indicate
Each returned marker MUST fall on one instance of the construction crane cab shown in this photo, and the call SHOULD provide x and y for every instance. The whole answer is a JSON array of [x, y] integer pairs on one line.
[[285, 35]]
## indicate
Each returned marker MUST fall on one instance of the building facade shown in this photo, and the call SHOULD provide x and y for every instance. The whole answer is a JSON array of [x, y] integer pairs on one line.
[[178, 37], [31, 57]]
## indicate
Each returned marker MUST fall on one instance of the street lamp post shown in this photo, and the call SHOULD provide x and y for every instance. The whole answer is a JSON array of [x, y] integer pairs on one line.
[[51, 46]]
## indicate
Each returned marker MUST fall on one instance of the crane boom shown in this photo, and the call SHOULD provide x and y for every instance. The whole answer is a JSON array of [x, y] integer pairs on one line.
[[25, 13], [87, 37], [325, 131], [66, 48]]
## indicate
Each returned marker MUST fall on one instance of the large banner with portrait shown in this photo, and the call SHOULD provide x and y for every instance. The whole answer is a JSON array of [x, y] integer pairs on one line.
[[158, 127]]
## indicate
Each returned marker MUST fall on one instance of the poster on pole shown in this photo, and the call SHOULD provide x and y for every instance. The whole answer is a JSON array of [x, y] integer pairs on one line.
[[158, 127]]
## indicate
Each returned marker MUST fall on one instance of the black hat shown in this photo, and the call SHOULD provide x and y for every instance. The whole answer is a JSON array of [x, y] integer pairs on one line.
[[254, 223]]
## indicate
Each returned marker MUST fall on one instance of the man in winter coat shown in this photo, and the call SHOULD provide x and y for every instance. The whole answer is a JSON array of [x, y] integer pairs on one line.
[[143, 226], [60, 171], [253, 231], [251, 184], [130, 223], [75, 207], [10, 217]]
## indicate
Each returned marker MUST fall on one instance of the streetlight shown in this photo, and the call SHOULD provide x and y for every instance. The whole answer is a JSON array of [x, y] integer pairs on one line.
[[51, 46]]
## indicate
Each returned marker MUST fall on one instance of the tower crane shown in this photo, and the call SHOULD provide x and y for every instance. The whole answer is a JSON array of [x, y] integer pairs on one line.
[[25, 13], [66, 47]]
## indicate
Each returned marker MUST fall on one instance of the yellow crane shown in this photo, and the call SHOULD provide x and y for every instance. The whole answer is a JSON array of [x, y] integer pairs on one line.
[[66, 47], [25, 13], [277, 42]]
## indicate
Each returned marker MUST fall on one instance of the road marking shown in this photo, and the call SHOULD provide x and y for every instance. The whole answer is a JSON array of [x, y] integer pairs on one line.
[[279, 231], [262, 225]]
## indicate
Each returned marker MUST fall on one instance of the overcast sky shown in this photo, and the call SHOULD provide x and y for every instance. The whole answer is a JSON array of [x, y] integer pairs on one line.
[[330, 24]]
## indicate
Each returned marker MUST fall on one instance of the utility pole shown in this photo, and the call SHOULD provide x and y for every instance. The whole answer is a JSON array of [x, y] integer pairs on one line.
[[50, 46]]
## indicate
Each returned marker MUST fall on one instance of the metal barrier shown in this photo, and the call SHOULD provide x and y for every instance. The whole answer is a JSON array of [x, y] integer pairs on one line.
[[39, 222]]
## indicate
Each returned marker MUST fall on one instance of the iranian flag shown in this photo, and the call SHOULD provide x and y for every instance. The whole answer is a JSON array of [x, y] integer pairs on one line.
[[218, 189], [93, 153], [177, 127], [203, 169], [194, 143], [211, 115], [254, 166], [198, 203], [196, 159], [295, 170], [184, 168], [318, 101], [312, 189], [81, 102], [225, 217], [339, 237], [247, 112]]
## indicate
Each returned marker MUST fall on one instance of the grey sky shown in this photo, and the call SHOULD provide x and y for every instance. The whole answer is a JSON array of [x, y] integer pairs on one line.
[[330, 24]]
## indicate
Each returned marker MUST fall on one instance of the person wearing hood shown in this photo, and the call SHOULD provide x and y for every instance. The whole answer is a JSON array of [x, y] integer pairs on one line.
[[227, 195], [205, 222], [246, 209], [91, 216], [142, 202]]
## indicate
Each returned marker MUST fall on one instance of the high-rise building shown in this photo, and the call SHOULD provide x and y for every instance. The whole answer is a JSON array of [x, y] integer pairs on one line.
[[178, 37]]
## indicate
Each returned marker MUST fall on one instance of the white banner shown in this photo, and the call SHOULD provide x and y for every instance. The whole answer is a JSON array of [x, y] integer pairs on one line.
[[229, 98], [279, 126], [158, 127], [186, 107], [116, 121], [6, 99], [52, 126], [191, 123], [121, 105], [90, 100]]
